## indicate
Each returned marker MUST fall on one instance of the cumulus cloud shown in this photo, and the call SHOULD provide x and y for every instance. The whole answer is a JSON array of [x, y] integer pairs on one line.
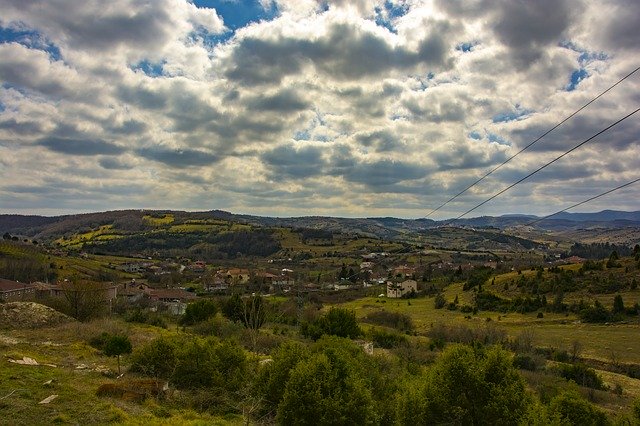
[[353, 108]]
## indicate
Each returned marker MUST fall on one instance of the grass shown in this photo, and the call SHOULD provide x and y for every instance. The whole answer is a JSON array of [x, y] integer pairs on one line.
[[22, 387], [617, 342], [167, 219]]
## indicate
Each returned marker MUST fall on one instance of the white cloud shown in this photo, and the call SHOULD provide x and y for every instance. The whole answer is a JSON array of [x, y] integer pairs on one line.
[[346, 108]]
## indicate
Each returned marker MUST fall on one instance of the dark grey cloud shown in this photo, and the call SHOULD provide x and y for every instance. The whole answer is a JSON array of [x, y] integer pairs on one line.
[[621, 28], [287, 162], [527, 27], [21, 127], [382, 140], [179, 158], [129, 127], [111, 163], [462, 156], [385, 173], [143, 27], [346, 52], [286, 100], [436, 110], [80, 146], [188, 110], [142, 97]]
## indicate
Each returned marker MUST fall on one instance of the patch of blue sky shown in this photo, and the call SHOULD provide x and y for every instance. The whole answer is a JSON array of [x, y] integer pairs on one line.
[[587, 57], [29, 38], [2, 107], [390, 11], [576, 77], [475, 135], [517, 114], [239, 13], [498, 139], [466, 46], [151, 69], [302, 135]]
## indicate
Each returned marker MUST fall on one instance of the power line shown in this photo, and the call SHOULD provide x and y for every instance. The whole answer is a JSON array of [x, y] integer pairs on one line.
[[544, 166], [583, 202], [532, 143]]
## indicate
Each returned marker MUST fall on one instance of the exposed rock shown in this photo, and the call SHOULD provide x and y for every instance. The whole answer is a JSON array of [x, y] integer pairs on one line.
[[48, 399], [16, 315]]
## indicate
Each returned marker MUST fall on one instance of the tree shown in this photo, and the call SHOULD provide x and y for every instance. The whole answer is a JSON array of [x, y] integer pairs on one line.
[[571, 408], [466, 385], [199, 311], [326, 389], [337, 322], [84, 299], [116, 345], [273, 378], [618, 304]]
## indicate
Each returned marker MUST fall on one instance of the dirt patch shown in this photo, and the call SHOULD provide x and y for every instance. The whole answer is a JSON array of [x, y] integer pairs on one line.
[[134, 390], [16, 315]]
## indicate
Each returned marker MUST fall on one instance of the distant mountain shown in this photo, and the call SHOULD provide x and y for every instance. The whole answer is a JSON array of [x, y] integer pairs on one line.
[[388, 228], [603, 216]]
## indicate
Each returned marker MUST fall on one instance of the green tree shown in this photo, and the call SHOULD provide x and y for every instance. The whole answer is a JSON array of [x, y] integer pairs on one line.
[[157, 358], [273, 377], [466, 385], [116, 345], [326, 390], [572, 409], [618, 304], [199, 311], [337, 322]]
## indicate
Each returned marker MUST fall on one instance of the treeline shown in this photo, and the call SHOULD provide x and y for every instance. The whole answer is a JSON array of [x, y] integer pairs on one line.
[[27, 270], [210, 246], [597, 251], [314, 234]]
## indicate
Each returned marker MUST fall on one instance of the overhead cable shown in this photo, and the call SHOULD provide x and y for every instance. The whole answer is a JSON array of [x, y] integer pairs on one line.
[[532, 143]]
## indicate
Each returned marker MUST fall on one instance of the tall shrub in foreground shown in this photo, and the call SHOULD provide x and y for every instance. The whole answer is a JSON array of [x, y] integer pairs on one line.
[[466, 385], [337, 322]]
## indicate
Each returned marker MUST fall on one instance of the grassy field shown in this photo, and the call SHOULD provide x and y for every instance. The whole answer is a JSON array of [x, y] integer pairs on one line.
[[608, 343], [75, 377]]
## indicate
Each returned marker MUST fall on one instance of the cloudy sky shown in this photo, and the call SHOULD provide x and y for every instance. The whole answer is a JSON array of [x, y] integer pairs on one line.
[[305, 107]]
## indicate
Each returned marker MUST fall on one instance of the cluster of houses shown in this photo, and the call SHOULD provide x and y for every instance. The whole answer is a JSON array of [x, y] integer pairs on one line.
[[223, 279], [174, 299]]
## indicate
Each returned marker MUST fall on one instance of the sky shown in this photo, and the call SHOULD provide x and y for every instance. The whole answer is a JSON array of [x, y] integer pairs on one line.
[[354, 108]]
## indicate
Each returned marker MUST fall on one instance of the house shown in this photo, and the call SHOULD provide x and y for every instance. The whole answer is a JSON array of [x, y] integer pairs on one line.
[[403, 271], [133, 291], [169, 295], [108, 291], [14, 290], [198, 266], [367, 266], [265, 278], [238, 276], [396, 290]]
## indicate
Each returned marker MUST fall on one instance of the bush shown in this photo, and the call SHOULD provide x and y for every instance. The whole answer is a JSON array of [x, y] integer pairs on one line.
[[116, 345], [387, 339], [273, 377], [327, 388], [465, 386], [597, 313], [337, 322], [157, 358], [397, 320], [199, 311], [582, 375], [439, 301], [571, 408], [527, 362]]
